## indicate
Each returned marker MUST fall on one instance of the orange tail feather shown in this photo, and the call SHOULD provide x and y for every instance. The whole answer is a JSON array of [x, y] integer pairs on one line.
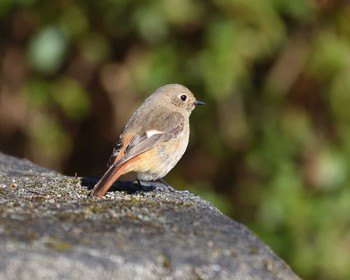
[[107, 180]]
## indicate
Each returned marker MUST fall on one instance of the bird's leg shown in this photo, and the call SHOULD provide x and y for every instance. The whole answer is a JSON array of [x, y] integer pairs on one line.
[[170, 188]]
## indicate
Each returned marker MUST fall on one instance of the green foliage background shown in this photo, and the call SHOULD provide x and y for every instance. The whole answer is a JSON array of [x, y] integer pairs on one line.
[[272, 146]]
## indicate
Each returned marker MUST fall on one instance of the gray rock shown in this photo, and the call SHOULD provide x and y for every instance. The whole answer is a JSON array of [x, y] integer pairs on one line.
[[50, 229]]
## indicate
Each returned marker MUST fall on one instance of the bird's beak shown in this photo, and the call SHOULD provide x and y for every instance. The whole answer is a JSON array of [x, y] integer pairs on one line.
[[198, 102]]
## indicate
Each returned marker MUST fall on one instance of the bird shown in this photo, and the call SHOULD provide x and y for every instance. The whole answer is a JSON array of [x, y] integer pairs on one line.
[[153, 140]]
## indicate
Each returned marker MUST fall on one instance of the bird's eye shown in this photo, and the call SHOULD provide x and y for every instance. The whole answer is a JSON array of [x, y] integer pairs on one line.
[[183, 97]]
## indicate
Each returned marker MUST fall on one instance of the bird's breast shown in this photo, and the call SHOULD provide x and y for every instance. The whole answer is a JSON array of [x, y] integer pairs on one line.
[[163, 157]]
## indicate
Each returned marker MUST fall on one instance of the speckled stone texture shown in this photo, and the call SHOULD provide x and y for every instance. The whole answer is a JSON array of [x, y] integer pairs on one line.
[[51, 229]]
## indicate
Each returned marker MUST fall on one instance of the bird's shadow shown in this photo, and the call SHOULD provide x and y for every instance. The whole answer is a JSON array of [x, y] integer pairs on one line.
[[126, 186]]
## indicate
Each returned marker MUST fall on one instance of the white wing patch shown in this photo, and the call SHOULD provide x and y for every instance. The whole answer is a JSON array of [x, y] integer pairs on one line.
[[152, 132]]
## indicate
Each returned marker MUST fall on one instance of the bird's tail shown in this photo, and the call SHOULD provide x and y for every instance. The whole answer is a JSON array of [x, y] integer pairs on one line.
[[107, 180]]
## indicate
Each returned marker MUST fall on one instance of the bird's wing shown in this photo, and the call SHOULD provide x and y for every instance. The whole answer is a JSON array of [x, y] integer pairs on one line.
[[160, 126]]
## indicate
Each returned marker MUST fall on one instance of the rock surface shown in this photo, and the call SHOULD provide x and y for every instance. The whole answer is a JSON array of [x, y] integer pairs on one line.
[[50, 229]]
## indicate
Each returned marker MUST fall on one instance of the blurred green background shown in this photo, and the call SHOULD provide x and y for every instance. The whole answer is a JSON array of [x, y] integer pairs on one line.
[[272, 146]]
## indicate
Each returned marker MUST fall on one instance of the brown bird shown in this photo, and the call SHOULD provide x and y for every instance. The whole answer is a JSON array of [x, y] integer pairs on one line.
[[153, 140]]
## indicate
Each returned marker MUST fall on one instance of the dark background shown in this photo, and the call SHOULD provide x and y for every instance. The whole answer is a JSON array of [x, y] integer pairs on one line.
[[271, 147]]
